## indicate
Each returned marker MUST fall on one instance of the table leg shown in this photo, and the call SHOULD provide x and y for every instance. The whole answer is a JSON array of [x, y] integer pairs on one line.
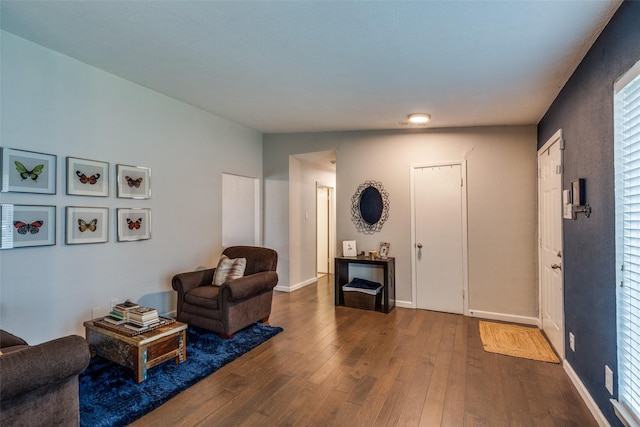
[[182, 348], [140, 371]]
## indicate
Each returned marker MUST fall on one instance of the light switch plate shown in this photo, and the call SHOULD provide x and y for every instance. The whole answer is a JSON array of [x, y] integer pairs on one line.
[[608, 379]]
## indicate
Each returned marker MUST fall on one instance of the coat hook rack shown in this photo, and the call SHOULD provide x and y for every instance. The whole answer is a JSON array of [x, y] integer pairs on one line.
[[585, 209]]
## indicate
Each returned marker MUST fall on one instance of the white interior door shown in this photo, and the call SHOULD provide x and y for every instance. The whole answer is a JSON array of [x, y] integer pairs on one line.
[[550, 232], [440, 261], [240, 210], [322, 227]]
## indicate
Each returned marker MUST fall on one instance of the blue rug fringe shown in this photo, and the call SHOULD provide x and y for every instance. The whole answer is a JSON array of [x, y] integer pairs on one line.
[[109, 396]]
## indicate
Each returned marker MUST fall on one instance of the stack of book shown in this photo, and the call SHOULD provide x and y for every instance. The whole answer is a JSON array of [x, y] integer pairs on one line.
[[141, 318], [119, 313]]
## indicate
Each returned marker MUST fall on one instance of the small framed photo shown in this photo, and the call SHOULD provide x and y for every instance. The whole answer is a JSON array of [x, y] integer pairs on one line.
[[349, 248], [87, 177], [27, 172], [87, 225], [383, 251], [134, 182], [134, 224], [27, 225]]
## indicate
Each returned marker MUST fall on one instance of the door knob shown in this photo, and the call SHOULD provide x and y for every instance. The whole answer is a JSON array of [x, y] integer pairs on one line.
[[419, 245], [556, 266]]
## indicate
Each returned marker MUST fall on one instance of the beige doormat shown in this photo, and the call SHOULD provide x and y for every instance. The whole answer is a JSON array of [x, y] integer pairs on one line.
[[517, 341]]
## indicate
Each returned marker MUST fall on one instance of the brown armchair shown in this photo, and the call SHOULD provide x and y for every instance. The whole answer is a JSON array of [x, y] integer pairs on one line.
[[39, 383], [235, 304]]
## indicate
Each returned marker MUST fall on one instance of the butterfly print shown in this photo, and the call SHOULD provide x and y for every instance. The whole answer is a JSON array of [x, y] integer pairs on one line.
[[24, 227], [84, 226], [134, 225], [25, 173], [133, 182], [88, 179]]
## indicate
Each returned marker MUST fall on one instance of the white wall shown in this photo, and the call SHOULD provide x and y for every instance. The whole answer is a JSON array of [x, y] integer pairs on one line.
[[302, 221], [57, 105], [501, 170]]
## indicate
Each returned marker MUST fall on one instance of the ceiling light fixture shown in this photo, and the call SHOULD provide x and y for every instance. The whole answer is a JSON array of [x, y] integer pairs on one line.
[[419, 118]]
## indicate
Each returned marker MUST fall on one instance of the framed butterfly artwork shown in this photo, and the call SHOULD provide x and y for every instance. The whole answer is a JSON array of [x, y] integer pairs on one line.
[[86, 225], [87, 177], [27, 172], [27, 225], [134, 182], [134, 224]]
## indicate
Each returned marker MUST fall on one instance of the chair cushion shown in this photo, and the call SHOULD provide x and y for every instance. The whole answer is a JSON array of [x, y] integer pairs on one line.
[[229, 269], [203, 296]]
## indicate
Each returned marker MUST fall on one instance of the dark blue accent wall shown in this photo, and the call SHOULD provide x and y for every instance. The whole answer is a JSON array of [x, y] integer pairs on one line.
[[584, 111]]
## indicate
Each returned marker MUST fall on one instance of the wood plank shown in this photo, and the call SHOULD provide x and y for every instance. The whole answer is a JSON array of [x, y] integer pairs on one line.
[[340, 366]]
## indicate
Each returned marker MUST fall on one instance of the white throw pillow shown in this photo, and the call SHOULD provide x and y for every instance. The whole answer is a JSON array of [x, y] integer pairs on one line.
[[229, 269]]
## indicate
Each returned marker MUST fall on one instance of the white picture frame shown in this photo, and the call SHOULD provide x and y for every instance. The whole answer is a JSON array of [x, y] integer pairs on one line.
[[134, 224], [27, 225], [87, 177], [27, 172], [349, 248], [134, 182], [86, 225], [383, 251]]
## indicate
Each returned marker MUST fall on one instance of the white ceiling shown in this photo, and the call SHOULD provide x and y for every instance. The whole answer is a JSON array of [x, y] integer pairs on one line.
[[302, 66]]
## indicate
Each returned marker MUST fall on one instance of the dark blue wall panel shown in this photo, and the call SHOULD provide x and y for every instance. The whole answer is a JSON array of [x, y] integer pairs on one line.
[[584, 111]]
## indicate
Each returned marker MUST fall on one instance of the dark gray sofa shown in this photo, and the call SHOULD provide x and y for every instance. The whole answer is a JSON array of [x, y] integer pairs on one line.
[[39, 383]]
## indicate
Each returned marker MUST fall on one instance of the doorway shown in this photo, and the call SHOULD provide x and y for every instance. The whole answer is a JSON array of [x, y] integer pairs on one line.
[[323, 235], [551, 280], [439, 237]]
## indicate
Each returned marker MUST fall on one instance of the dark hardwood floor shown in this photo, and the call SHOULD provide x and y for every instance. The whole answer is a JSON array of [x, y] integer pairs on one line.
[[338, 366]]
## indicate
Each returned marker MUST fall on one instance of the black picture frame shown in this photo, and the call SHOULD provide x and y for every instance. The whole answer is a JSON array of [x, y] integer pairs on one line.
[[578, 193]]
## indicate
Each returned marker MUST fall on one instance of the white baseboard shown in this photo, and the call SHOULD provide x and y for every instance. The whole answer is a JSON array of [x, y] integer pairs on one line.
[[405, 304], [296, 286], [586, 396], [524, 320]]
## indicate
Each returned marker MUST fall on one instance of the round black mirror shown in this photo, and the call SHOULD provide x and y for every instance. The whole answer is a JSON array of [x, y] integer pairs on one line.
[[371, 205]]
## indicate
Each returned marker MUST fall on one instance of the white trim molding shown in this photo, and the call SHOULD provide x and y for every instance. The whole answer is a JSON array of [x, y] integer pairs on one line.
[[405, 304], [584, 393], [624, 415], [504, 317], [297, 286]]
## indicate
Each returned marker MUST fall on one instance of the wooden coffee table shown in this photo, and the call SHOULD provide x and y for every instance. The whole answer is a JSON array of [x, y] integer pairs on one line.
[[139, 352]]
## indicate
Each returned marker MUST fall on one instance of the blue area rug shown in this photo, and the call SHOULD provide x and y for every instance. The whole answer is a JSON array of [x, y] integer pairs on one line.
[[109, 396]]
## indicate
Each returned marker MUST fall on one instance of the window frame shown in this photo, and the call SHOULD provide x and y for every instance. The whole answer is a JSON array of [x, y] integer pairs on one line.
[[627, 406]]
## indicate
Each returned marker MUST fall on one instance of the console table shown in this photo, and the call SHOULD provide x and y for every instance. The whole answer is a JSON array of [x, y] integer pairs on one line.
[[388, 287]]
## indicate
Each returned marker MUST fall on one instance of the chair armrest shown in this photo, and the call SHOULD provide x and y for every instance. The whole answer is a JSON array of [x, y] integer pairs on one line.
[[184, 282], [47, 363], [10, 340], [246, 286]]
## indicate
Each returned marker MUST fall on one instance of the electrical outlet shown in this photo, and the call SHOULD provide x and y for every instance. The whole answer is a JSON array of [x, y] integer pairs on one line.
[[608, 379], [95, 312], [572, 341]]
